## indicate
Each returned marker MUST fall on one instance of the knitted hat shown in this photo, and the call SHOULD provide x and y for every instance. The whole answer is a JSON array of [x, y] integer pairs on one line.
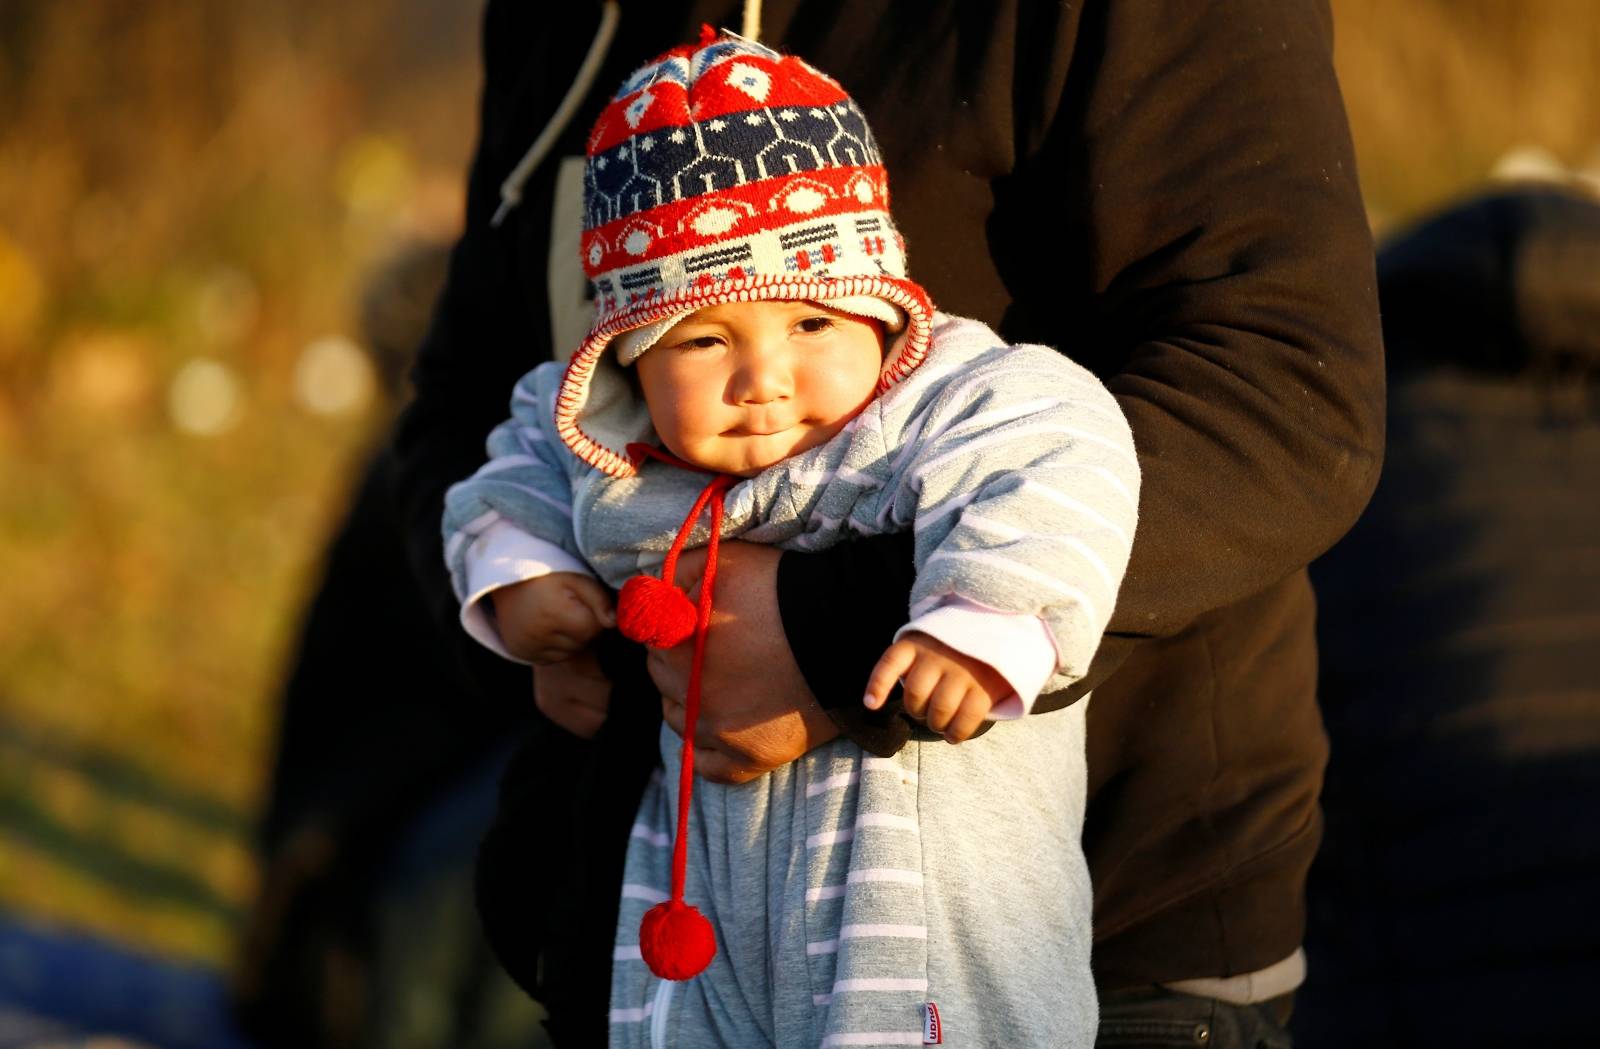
[[722, 172]]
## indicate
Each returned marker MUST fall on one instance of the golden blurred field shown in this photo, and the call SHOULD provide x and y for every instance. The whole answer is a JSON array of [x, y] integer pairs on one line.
[[191, 195]]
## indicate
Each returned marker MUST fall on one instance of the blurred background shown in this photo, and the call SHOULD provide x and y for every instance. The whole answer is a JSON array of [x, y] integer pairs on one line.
[[220, 228]]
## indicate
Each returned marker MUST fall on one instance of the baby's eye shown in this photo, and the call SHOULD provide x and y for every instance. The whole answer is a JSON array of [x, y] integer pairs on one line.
[[702, 342], [814, 325]]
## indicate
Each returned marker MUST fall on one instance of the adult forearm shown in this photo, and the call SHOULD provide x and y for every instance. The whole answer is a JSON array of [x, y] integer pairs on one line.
[[1214, 171]]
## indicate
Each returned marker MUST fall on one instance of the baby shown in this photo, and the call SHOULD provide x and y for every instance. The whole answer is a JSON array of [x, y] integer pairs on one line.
[[756, 326]]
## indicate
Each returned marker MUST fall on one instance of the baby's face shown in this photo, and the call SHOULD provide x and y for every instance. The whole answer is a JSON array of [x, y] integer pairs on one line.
[[738, 387]]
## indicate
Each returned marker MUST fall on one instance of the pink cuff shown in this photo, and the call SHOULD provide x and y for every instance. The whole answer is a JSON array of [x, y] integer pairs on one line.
[[501, 555], [1017, 645]]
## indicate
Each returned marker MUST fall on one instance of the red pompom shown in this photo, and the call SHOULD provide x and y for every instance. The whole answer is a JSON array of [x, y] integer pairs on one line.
[[676, 940], [654, 613]]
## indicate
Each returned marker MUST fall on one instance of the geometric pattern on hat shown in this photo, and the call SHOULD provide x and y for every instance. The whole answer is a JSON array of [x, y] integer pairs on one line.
[[723, 171]]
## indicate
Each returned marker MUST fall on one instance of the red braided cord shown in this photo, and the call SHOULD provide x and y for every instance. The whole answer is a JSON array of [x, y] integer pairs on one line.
[[639, 452], [691, 702]]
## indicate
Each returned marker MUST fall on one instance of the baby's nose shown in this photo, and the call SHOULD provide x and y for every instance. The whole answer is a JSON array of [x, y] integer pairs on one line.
[[767, 378]]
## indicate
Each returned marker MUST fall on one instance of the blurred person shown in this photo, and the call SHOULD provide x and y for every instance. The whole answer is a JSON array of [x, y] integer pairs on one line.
[[1168, 193], [363, 933], [1453, 902]]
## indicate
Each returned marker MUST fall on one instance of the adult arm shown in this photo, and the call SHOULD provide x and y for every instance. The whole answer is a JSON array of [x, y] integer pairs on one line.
[[1214, 267]]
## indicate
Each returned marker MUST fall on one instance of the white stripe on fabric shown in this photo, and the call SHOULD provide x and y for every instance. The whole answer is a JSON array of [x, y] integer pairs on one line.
[[967, 448], [873, 1038], [886, 819], [953, 400], [866, 819], [1061, 499], [888, 765], [843, 779], [829, 837], [893, 875], [880, 983], [812, 478], [883, 930], [1011, 532], [633, 1016], [627, 954], [822, 947], [857, 477], [631, 891], [938, 510], [1114, 481], [1017, 568], [658, 838], [482, 522], [823, 522], [1004, 414], [824, 892]]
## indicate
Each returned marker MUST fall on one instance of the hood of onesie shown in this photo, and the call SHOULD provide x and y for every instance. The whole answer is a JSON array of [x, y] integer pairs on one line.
[[723, 171]]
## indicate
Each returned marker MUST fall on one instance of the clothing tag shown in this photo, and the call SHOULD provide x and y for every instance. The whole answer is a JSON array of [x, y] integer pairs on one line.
[[932, 1029]]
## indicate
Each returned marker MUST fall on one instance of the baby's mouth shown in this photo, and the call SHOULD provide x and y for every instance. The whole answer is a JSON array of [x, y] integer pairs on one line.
[[758, 431]]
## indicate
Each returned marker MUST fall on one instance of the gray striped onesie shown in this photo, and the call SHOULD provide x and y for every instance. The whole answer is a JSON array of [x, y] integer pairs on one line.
[[849, 891]]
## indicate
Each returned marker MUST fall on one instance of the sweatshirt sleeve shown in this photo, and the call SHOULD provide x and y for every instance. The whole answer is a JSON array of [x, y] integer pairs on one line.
[[526, 482], [1227, 288], [1023, 493]]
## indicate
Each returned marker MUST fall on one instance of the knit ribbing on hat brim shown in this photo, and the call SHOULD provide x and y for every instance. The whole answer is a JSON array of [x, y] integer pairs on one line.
[[573, 396]]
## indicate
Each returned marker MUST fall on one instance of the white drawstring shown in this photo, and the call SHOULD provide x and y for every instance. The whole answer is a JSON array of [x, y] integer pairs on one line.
[[511, 188], [610, 15]]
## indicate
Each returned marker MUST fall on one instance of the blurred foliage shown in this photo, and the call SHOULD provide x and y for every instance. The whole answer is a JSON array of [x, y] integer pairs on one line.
[[1440, 90], [194, 181], [204, 180]]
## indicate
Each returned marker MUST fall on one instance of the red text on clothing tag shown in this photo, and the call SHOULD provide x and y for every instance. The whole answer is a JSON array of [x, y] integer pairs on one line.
[[932, 1028]]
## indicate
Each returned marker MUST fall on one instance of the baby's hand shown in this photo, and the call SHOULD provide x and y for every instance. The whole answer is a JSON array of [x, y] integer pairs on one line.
[[547, 619], [952, 693]]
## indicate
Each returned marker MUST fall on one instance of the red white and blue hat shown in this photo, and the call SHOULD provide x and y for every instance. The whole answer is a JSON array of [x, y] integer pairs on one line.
[[721, 172]]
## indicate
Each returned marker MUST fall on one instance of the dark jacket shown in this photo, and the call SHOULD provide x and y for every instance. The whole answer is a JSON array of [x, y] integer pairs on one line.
[[1166, 192]]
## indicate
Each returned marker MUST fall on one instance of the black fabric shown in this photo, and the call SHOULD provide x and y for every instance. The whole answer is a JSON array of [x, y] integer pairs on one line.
[[550, 869], [1453, 903], [377, 719], [1166, 192], [836, 663]]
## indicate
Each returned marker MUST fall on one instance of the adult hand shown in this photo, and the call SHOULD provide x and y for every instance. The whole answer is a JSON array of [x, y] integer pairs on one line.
[[756, 711], [574, 693]]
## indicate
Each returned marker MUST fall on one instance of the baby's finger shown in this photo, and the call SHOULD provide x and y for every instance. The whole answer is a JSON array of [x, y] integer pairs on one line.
[[969, 718], [572, 617], [594, 597], [945, 700], [886, 674], [918, 685]]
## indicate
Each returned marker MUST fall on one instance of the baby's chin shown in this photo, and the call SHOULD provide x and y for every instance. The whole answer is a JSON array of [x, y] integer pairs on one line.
[[749, 456]]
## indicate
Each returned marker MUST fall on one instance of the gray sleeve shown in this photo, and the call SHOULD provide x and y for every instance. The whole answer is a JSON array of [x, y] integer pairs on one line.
[[526, 482], [1024, 492]]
